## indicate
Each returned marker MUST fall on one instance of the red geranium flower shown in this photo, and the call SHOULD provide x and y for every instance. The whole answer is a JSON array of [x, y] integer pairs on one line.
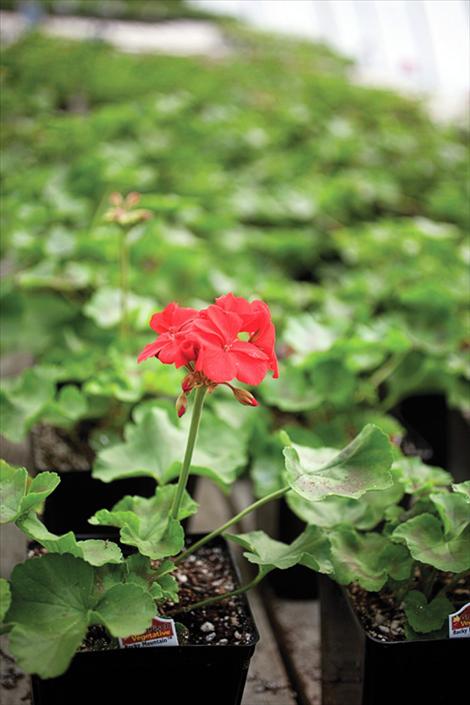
[[208, 344]]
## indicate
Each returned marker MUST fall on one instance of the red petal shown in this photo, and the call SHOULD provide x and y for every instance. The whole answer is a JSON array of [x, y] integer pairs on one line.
[[150, 350], [249, 370], [235, 304], [171, 318], [222, 323], [217, 365], [246, 348]]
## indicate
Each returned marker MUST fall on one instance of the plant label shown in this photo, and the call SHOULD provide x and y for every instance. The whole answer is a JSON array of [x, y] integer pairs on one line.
[[459, 623], [161, 633]]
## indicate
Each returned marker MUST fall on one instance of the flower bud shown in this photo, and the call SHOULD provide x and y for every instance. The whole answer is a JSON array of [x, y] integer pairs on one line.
[[244, 397], [132, 199], [181, 404], [115, 199], [187, 383]]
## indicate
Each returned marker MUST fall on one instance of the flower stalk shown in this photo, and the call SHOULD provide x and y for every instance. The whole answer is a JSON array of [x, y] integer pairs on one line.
[[192, 435], [124, 281]]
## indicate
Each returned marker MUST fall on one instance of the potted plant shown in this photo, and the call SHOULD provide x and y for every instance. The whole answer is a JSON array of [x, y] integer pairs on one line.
[[66, 606], [403, 555]]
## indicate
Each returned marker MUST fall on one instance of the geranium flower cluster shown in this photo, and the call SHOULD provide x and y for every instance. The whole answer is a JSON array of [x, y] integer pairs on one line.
[[231, 339]]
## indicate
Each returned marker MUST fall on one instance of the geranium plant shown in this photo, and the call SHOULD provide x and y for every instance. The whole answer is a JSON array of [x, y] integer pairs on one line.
[[410, 541], [57, 596]]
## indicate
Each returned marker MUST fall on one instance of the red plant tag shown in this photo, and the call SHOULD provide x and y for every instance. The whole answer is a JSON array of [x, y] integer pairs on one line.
[[459, 623], [161, 633]]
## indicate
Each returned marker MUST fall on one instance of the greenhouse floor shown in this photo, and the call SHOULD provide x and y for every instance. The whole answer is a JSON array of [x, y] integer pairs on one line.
[[285, 669]]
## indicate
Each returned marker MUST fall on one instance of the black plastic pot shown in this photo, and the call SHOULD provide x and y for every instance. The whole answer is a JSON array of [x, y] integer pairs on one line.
[[425, 418], [420, 671], [280, 522], [212, 675], [79, 496], [438, 434], [459, 445]]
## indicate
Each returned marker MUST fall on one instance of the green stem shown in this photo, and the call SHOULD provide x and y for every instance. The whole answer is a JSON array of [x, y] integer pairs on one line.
[[218, 598], [193, 429], [429, 578], [124, 281], [230, 522]]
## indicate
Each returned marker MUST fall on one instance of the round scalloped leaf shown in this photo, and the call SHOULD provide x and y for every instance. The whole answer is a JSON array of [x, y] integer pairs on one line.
[[424, 616], [367, 559], [315, 473], [311, 549], [146, 523], [454, 510], [54, 600], [426, 542], [20, 494], [463, 488], [154, 446], [97, 552], [416, 476]]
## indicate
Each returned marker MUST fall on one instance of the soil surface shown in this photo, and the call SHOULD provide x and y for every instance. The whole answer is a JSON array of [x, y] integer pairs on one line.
[[207, 573], [383, 617]]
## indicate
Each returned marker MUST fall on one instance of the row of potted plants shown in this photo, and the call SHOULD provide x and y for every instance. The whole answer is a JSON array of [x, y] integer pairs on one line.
[[373, 187], [375, 519], [375, 195]]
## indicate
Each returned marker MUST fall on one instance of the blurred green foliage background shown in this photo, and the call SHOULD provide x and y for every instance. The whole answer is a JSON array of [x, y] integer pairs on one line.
[[269, 173]]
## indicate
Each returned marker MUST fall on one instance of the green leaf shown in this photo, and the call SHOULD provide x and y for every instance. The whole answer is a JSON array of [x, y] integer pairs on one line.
[[70, 405], [427, 543], [267, 467], [5, 598], [416, 476], [362, 466], [367, 559], [165, 588], [160, 586], [55, 599], [454, 511], [51, 600], [333, 381], [426, 617], [147, 524], [104, 308], [310, 549], [305, 335], [463, 488], [39, 489], [292, 391], [22, 402], [154, 446], [124, 609], [93, 551], [19, 494], [363, 513], [13, 489]]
